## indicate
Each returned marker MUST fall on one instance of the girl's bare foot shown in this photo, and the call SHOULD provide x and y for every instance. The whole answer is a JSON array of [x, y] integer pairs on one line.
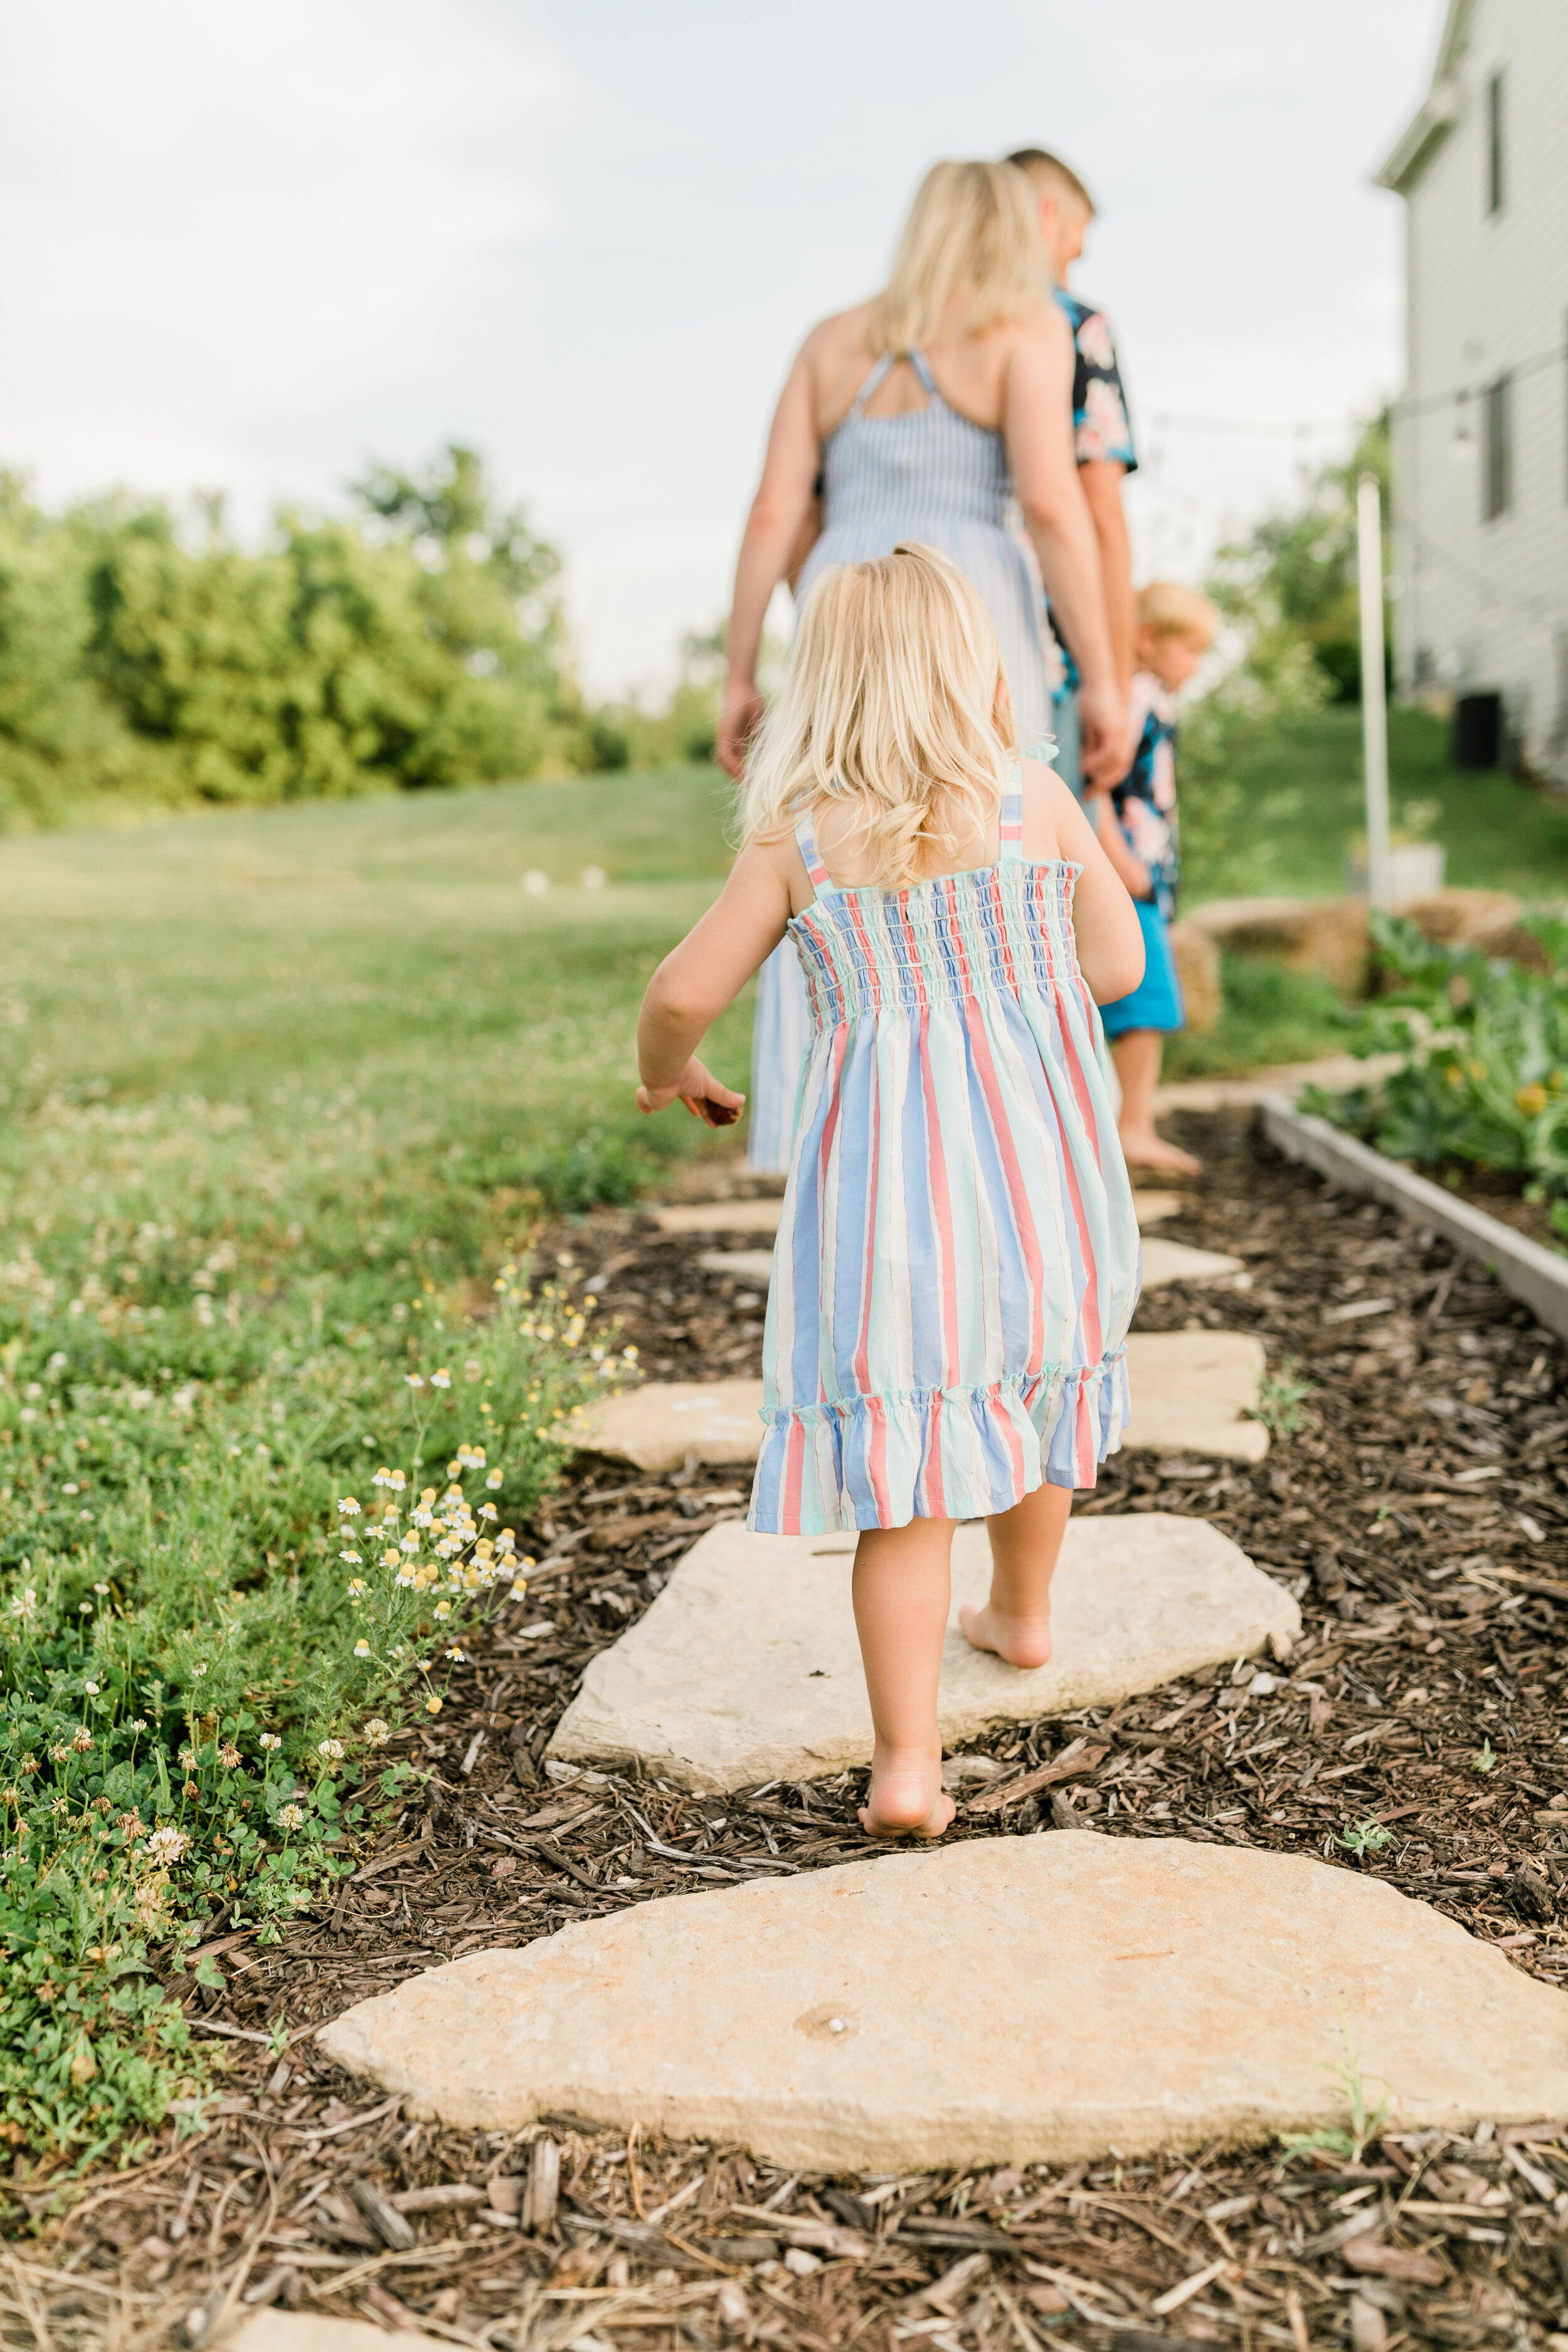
[[906, 1798], [1022, 1641], [1142, 1148]]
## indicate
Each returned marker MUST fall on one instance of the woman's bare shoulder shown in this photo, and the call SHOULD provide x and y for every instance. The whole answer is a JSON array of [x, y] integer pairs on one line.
[[838, 335]]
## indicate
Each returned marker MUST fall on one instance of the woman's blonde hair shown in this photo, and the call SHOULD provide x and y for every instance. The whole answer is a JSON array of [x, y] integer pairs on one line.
[[894, 706], [974, 227]]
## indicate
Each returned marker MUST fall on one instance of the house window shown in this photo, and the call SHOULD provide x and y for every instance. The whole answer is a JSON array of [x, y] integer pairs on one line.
[[1495, 183], [1497, 448]]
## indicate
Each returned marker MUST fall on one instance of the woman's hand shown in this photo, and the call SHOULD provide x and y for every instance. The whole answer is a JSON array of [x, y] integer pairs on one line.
[[738, 721], [1109, 742], [705, 1097]]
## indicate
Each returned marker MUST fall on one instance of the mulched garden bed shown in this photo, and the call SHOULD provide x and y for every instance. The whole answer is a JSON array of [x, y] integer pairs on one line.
[[1419, 1508]]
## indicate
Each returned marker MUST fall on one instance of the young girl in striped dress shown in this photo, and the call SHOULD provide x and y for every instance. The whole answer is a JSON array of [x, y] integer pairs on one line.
[[957, 1256]]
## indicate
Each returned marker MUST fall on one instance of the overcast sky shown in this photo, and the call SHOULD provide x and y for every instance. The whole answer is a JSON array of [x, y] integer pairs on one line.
[[253, 247]]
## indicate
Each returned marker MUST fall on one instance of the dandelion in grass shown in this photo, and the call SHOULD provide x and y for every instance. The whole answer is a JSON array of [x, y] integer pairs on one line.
[[291, 1817]]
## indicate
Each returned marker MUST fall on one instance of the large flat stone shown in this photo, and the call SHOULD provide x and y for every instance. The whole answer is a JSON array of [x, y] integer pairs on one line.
[[1152, 1208], [305, 2331], [1010, 1999], [747, 1668], [1166, 1261], [657, 1425], [1192, 1392], [745, 1265], [720, 1217]]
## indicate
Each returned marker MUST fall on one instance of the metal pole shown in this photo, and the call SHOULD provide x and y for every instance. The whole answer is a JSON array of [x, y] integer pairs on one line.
[[1374, 704]]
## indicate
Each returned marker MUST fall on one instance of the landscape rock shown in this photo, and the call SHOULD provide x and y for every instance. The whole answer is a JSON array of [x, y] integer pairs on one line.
[[656, 1426], [1166, 1261], [755, 1265], [303, 2331], [719, 1217], [1191, 1391], [746, 1668], [1331, 936], [1154, 1208], [1057, 1996]]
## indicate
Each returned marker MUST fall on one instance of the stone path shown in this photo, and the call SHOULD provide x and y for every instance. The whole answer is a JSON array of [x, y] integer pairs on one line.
[[1191, 1393], [746, 1668], [1015, 1999], [1164, 1261], [300, 2331], [720, 1217]]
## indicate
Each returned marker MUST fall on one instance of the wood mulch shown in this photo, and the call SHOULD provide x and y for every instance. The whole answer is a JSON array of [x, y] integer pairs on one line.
[[1419, 1508]]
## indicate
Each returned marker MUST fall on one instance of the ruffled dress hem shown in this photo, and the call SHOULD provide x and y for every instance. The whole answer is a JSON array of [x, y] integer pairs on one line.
[[954, 1452]]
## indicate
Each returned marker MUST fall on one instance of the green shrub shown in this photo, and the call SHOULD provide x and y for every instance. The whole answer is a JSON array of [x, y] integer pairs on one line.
[[1484, 1073]]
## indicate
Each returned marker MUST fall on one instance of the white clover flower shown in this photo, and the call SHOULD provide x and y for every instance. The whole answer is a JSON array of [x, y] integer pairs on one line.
[[291, 1817], [81, 1739], [228, 1756], [331, 1749], [137, 1723], [268, 1740], [91, 1689], [166, 1846], [100, 1588], [376, 1731], [201, 1669]]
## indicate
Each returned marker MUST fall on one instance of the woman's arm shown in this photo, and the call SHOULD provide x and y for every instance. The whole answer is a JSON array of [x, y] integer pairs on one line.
[[1037, 422], [1102, 478], [697, 979], [779, 513], [1105, 921]]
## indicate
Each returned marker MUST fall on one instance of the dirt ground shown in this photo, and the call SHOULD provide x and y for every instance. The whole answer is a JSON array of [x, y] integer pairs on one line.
[[1417, 1503]]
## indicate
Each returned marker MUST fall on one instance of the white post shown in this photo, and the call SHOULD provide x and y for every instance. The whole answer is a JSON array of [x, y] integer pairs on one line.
[[1374, 704]]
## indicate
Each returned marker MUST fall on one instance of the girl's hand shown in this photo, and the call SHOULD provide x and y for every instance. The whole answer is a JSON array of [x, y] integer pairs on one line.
[[705, 1097], [738, 722]]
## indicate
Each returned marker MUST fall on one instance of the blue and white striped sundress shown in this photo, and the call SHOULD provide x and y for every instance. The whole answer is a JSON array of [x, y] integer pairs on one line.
[[934, 476], [957, 1259]]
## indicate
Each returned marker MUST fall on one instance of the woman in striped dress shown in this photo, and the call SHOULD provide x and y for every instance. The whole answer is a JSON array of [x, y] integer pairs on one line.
[[917, 417], [957, 1260]]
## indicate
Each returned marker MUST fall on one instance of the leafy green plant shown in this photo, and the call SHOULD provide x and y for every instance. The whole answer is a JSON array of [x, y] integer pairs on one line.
[[1362, 1838], [1364, 2122], [1281, 1398], [1483, 1075]]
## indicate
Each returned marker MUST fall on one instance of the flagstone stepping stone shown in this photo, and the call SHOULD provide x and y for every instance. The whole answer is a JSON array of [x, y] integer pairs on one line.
[[1191, 1392], [288, 2331], [746, 1668], [656, 1427], [1151, 1208], [719, 1217], [746, 1265], [1055, 1997], [1166, 1261]]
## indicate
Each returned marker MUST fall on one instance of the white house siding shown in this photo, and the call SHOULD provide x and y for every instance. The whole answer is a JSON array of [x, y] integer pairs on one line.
[[1483, 605]]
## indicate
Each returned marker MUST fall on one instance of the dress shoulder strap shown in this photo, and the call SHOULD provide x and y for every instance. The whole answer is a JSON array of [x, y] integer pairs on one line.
[[1012, 824], [870, 382], [922, 366], [815, 870]]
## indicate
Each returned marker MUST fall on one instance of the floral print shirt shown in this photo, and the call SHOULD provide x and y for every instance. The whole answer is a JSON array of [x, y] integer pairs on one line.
[[1101, 430], [1145, 799]]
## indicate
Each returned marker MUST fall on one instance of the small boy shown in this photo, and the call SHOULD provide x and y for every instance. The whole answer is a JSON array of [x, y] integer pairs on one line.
[[1136, 822]]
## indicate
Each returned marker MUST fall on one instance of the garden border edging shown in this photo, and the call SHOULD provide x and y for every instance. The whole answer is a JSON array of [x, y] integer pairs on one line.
[[1538, 1276]]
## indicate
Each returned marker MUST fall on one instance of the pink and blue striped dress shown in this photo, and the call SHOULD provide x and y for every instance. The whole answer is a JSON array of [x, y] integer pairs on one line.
[[957, 1259]]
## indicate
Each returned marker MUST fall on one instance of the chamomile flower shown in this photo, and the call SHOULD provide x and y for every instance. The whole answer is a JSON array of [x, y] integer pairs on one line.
[[361, 1649], [442, 1379]]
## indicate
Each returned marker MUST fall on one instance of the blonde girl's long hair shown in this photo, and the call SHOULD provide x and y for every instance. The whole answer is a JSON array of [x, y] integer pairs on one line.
[[972, 226], [894, 708]]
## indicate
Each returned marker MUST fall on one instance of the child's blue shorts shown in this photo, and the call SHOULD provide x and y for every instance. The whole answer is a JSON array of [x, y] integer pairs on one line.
[[1156, 1001]]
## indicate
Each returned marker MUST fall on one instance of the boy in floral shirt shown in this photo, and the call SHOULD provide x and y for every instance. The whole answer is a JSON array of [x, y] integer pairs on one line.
[[1102, 434], [1136, 822]]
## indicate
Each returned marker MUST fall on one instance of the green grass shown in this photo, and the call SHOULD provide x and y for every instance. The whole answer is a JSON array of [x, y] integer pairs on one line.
[[1268, 1016], [1301, 805], [282, 1092]]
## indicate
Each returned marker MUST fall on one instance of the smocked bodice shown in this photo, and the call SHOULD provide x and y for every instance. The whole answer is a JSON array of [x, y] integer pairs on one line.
[[996, 931]]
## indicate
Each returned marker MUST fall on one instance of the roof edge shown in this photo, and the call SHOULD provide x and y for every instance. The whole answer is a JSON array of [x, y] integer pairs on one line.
[[1418, 142]]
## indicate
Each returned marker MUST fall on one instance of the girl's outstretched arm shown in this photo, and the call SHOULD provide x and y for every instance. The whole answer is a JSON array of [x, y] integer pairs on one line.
[[703, 975]]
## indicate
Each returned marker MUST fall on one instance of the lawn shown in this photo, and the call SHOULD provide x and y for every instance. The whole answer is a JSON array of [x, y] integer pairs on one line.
[[1302, 803]]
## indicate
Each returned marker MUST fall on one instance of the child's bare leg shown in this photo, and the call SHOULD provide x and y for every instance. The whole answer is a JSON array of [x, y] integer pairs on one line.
[[1024, 1545], [1136, 1053], [903, 1587]]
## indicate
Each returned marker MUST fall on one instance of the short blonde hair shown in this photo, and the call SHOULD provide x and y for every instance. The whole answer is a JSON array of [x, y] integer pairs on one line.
[[894, 706], [1169, 610], [1051, 176], [972, 226]]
